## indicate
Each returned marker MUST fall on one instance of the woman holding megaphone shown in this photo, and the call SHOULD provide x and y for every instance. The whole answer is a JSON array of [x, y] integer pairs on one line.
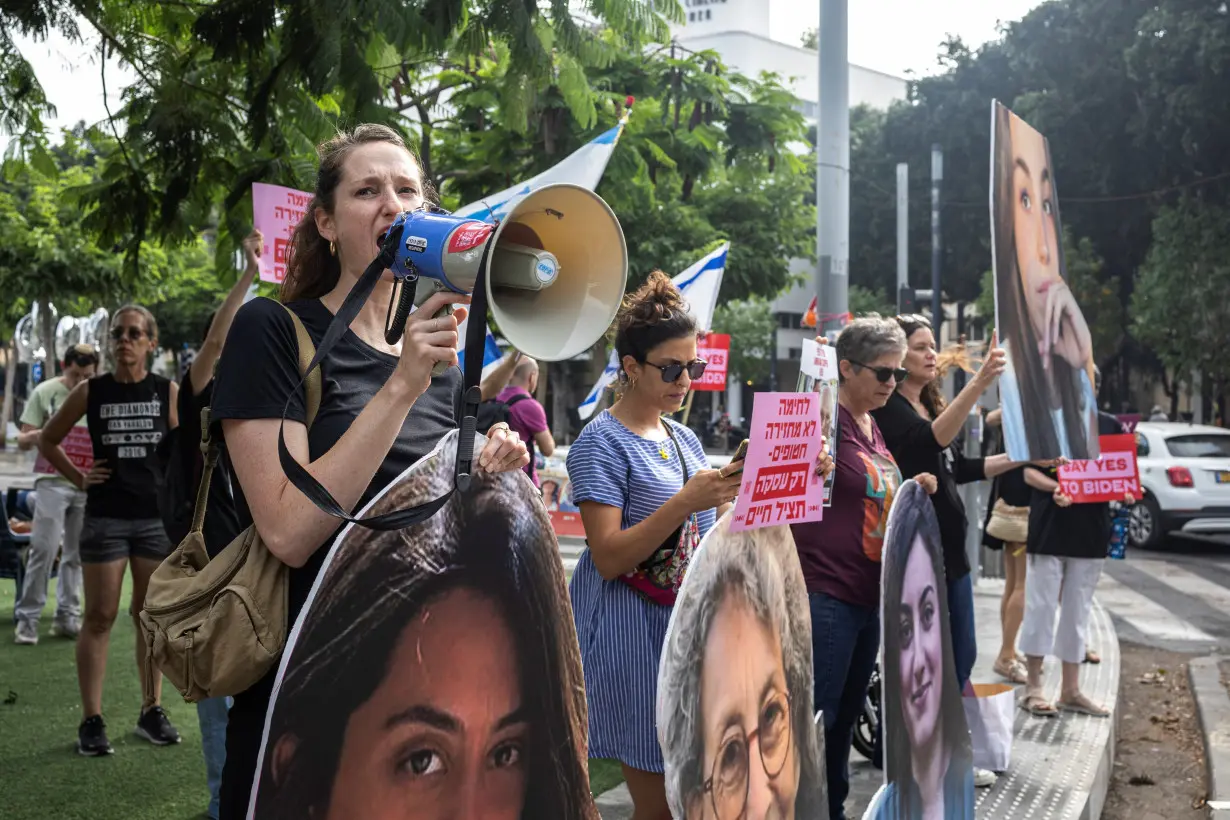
[[380, 408]]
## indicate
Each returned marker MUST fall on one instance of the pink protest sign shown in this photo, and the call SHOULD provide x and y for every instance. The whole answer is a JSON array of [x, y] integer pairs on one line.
[[79, 449], [780, 485], [1108, 478], [275, 213]]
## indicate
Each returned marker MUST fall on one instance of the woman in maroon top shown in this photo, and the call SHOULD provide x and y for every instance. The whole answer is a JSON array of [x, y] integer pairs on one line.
[[841, 554]]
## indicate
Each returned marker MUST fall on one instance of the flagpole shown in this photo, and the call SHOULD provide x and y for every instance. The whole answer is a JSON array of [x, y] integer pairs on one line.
[[687, 406]]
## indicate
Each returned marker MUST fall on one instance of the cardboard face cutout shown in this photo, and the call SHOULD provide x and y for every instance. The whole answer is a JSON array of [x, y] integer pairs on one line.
[[737, 667], [924, 720], [434, 671], [1047, 390]]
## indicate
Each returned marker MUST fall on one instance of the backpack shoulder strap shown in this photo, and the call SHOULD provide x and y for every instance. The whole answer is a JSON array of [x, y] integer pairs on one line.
[[517, 398], [211, 447]]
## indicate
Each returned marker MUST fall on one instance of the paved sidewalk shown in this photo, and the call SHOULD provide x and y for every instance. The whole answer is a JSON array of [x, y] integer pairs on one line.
[[1060, 768], [1213, 709]]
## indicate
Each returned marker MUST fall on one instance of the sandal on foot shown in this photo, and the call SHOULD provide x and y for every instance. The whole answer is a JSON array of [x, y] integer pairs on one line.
[[1013, 671], [1037, 705], [1092, 657], [1081, 705]]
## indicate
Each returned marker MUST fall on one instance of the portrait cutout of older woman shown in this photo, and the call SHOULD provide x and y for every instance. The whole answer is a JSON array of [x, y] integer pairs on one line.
[[735, 685], [928, 759], [1047, 390], [435, 671]]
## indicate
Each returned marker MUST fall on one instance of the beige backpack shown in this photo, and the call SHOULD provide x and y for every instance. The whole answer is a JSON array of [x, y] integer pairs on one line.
[[215, 628]]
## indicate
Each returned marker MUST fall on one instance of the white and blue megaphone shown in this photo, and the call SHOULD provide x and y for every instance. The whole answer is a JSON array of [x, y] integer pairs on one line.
[[556, 268]]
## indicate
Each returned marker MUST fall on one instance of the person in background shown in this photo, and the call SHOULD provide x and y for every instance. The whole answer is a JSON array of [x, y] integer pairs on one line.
[[642, 482], [1158, 414], [58, 513], [221, 521], [840, 555], [526, 416], [128, 413], [1066, 551]]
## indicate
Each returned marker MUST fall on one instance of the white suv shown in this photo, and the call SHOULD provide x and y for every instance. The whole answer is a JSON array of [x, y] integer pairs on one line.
[[1185, 470]]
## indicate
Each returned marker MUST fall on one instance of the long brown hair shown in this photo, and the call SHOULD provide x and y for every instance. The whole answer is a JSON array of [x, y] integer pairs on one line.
[[312, 270]]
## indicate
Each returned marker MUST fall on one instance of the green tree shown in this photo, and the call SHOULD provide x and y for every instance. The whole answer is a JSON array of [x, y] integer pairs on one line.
[[866, 300], [1179, 306], [750, 324]]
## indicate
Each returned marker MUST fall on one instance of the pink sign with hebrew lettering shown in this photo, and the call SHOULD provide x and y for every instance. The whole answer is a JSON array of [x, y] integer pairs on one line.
[[275, 213], [780, 485]]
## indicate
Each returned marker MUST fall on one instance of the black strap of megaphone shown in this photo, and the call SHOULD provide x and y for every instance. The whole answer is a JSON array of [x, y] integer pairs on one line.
[[476, 346], [300, 477]]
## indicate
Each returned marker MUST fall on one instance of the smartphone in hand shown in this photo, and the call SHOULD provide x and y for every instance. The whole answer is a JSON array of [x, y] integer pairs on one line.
[[739, 457]]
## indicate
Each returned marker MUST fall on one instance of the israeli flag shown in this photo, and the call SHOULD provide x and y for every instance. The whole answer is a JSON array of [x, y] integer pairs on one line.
[[700, 285], [583, 167]]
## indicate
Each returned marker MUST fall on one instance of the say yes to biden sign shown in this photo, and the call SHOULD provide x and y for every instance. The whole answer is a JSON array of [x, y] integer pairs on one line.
[[1107, 478]]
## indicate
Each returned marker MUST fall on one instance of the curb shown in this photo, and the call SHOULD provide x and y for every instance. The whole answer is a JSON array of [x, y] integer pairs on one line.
[[1213, 711]]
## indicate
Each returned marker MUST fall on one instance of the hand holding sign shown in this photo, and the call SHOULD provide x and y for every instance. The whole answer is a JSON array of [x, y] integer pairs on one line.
[[1112, 477]]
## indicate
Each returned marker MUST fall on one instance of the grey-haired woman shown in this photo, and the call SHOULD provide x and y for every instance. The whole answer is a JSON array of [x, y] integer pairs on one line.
[[840, 555]]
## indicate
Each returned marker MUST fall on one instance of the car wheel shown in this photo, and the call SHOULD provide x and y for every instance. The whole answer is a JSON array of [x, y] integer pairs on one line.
[[1145, 524]]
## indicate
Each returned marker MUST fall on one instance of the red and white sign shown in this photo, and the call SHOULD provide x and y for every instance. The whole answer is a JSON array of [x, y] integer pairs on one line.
[[79, 449], [715, 349], [470, 235], [780, 485], [1108, 478], [275, 213]]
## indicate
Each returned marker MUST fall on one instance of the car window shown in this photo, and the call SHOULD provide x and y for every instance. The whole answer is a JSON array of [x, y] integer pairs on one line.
[[1142, 445], [1202, 445]]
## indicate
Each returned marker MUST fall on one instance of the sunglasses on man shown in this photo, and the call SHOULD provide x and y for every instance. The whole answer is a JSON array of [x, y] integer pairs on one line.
[[133, 333], [883, 374], [672, 372]]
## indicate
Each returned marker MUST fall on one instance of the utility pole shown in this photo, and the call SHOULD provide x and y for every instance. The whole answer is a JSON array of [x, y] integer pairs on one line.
[[903, 230], [833, 167], [937, 179]]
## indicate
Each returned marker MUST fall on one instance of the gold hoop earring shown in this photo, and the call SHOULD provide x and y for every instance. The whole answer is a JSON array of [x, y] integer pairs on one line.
[[332, 248]]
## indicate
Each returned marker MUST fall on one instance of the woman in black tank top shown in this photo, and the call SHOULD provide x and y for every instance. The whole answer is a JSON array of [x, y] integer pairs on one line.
[[128, 413]]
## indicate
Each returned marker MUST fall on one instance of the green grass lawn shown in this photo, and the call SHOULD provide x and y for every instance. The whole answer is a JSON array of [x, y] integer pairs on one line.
[[42, 776]]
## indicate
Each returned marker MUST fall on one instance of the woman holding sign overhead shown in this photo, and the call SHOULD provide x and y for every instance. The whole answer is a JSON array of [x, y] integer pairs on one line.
[[840, 555], [646, 497]]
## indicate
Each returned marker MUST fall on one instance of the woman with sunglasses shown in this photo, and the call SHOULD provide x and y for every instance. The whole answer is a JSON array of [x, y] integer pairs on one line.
[[840, 555], [642, 484], [128, 412]]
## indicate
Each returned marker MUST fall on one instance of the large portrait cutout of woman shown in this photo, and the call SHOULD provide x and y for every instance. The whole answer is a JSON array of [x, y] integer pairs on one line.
[[1046, 391], [735, 684], [927, 754], [434, 671]]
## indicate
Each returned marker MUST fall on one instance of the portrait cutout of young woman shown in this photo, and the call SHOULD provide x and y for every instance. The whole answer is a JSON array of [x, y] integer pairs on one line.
[[1046, 392], [927, 754], [735, 685], [435, 671]]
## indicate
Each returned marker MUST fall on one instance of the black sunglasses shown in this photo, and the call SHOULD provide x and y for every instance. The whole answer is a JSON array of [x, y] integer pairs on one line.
[[883, 374], [133, 333], [672, 372]]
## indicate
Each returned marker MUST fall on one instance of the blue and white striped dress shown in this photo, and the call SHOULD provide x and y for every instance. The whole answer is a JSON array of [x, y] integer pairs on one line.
[[620, 633]]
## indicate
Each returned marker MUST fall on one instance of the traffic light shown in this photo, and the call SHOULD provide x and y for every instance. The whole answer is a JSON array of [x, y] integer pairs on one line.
[[906, 301]]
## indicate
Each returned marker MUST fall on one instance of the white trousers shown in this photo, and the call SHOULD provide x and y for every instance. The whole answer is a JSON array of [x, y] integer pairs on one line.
[[59, 512], [1066, 584]]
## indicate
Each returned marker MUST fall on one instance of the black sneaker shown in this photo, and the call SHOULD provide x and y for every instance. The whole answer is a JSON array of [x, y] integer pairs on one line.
[[155, 726], [92, 738]]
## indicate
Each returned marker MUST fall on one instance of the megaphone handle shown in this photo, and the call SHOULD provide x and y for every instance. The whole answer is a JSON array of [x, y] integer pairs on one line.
[[441, 367]]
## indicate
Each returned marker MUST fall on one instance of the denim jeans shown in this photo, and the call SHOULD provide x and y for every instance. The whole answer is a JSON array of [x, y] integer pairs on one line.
[[961, 623], [211, 713], [845, 640]]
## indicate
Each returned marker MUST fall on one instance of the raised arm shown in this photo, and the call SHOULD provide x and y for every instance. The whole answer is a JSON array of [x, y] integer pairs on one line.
[[498, 378], [54, 432], [949, 423], [202, 370]]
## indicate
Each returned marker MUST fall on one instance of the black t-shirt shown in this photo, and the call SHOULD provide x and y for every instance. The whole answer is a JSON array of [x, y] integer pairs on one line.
[[221, 519], [1077, 531], [913, 445], [258, 370], [126, 421]]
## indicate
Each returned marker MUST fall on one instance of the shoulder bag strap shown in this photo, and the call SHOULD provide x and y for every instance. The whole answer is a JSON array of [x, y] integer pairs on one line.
[[687, 476], [212, 448], [476, 332]]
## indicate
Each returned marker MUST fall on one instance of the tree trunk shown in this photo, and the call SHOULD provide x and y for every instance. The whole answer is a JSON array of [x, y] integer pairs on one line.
[[10, 382]]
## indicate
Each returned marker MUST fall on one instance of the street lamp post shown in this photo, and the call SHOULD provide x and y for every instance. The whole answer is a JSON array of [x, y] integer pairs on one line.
[[833, 166]]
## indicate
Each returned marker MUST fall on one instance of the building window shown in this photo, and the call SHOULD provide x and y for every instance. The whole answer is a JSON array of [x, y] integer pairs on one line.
[[794, 353], [691, 17], [708, 14]]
